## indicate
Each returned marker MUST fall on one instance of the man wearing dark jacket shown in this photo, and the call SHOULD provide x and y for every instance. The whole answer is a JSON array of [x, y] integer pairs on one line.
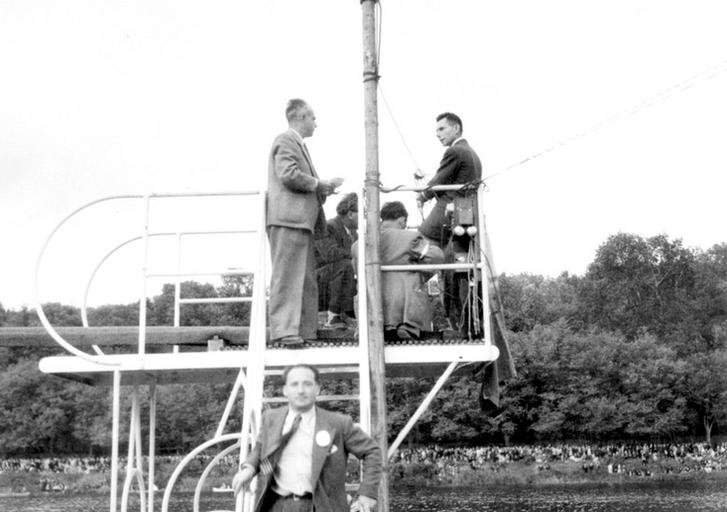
[[301, 454], [336, 282], [460, 164]]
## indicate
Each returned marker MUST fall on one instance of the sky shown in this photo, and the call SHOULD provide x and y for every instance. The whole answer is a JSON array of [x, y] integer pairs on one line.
[[592, 117]]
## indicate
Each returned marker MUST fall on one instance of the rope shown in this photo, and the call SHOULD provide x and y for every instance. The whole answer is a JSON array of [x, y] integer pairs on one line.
[[398, 129], [702, 76], [379, 13]]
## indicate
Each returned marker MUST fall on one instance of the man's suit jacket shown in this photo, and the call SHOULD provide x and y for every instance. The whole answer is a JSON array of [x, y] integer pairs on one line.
[[335, 437], [293, 199], [460, 164], [336, 245]]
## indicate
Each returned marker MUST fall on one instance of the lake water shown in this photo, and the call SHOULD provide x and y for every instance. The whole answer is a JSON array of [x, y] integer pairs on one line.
[[640, 497]]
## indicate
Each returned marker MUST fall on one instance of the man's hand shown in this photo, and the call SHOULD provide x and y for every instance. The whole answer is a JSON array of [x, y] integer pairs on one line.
[[242, 479], [328, 187], [363, 504]]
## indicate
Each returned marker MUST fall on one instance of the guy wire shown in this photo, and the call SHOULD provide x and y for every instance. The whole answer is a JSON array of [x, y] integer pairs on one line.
[[704, 75]]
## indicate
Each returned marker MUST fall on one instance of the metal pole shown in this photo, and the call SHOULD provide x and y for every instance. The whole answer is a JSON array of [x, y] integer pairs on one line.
[[152, 440], [178, 283], [145, 262], [373, 265], [115, 439], [364, 372]]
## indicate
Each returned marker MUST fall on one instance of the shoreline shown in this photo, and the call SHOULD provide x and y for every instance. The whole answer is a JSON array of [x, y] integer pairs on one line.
[[527, 474]]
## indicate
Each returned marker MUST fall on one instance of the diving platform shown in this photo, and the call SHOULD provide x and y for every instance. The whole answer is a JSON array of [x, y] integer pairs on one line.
[[148, 356]]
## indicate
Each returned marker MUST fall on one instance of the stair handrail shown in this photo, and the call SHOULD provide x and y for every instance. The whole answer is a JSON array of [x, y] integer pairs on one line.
[[101, 358]]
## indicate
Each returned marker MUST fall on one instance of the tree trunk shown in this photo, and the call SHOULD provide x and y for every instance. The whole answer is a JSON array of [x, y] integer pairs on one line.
[[708, 429]]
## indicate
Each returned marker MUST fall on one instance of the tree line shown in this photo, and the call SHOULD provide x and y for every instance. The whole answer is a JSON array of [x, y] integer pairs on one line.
[[634, 349]]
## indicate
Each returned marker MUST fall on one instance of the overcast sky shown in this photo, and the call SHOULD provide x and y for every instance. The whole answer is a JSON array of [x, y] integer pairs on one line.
[[620, 107]]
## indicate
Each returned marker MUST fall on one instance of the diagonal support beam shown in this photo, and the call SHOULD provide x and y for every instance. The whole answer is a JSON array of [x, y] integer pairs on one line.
[[422, 409]]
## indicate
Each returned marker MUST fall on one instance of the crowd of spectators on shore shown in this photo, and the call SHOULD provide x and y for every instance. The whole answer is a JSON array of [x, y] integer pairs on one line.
[[87, 465], [639, 459]]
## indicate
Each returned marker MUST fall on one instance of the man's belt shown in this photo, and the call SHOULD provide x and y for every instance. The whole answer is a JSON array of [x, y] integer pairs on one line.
[[295, 497]]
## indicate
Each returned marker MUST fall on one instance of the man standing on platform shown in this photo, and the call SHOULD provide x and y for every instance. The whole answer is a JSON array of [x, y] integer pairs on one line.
[[460, 164], [294, 216], [301, 454], [336, 281]]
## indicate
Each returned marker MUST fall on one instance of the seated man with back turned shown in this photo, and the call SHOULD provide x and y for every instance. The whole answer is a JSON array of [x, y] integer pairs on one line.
[[336, 281], [407, 308], [301, 454]]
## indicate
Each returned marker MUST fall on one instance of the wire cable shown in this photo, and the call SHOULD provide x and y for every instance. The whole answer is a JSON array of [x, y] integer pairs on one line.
[[702, 76], [398, 129], [379, 13]]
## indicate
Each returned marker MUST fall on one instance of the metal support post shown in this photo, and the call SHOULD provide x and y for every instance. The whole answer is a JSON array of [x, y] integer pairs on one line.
[[152, 440], [115, 439], [145, 261], [421, 409]]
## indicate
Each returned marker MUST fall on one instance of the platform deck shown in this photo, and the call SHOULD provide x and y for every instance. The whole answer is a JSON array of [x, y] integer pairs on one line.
[[223, 365]]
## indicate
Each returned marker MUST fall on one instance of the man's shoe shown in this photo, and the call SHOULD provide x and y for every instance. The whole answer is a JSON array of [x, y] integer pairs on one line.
[[291, 341], [335, 322], [403, 334]]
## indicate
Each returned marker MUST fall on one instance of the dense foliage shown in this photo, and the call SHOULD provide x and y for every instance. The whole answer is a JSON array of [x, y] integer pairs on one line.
[[634, 349]]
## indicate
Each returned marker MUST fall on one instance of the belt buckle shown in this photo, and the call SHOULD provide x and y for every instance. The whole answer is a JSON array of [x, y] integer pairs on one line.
[[296, 497]]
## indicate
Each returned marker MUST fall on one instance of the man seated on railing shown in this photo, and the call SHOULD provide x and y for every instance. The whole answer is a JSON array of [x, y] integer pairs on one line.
[[407, 309], [460, 164]]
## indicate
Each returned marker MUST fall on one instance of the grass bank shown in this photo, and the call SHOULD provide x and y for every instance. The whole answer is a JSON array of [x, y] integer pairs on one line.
[[521, 473]]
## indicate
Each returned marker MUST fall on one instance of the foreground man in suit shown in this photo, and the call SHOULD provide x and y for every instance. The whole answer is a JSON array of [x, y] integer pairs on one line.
[[301, 454], [294, 215]]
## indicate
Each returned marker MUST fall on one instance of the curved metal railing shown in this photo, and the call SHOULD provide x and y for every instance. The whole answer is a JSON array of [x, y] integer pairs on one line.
[[99, 357]]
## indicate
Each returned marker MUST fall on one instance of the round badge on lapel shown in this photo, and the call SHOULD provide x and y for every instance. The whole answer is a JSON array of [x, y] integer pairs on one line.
[[323, 438]]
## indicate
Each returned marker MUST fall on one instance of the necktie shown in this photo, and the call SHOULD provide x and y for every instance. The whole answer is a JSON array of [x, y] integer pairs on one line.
[[286, 437], [268, 465]]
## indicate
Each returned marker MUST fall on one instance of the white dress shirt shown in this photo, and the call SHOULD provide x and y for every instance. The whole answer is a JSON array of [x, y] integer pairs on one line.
[[293, 473]]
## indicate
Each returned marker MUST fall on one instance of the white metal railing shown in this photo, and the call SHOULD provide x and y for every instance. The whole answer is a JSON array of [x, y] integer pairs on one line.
[[144, 238], [479, 263], [84, 306]]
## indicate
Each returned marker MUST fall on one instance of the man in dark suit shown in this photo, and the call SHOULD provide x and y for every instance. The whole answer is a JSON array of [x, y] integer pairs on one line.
[[336, 282], [294, 214], [460, 164], [301, 454]]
